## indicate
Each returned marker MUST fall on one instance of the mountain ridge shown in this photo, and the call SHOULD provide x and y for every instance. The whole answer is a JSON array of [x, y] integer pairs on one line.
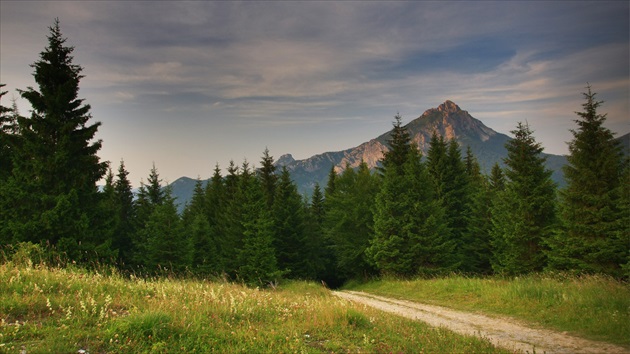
[[447, 119]]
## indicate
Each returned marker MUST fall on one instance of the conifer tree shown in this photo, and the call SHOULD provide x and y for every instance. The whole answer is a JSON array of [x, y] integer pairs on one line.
[[330, 184], [8, 144], [8, 135], [149, 198], [523, 216], [497, 178], [591, 203], [349, 222], [456, 203], [321, 257], [290, 244], [199, 230], [411, 234], [409, 225], [257, 263], [437, 164], [168, 248], [399, 145], [215, 205], [56, 167], [237, 186], [268, 178], [126, 216]]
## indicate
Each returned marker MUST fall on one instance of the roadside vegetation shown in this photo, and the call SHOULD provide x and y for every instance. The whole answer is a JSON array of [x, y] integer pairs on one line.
[[65, 310], [594, 307]]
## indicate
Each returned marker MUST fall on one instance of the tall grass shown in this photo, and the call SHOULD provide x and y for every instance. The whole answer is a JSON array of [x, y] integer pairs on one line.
[[64, 310], [595, 307]]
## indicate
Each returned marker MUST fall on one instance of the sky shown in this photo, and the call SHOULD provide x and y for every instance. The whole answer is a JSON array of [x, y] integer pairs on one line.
[[189, 85]]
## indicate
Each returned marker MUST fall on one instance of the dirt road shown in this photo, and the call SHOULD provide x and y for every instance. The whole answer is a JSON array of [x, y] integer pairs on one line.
[[501, 332]]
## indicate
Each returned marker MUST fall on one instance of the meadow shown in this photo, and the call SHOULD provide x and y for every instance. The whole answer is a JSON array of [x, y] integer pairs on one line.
[[593, 307], [47, 309]]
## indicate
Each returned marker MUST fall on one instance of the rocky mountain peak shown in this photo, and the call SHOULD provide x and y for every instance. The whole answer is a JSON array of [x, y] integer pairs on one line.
[[448, 107], [285, 160]]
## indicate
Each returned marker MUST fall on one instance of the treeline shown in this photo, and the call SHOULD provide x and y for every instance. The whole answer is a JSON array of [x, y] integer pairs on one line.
[[416, 215]]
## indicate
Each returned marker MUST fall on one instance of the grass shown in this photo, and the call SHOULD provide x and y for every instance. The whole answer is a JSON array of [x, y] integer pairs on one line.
[[593, 307], [65, 310]]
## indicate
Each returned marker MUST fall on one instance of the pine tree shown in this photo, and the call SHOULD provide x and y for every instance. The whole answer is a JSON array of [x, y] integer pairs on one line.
[[437, 164], [149, 198], [229, 221], [56, 166], [257, 263], [198, 228], [322, 257], [168, 249], [8, 135], [290, 244], [411, 234], [330, 184], [591, 204], [9, 138], [215, 205], [456, 202], [523, 216], [349, 222], [268, 178], [399, 144], [497, 178], [126, 228]]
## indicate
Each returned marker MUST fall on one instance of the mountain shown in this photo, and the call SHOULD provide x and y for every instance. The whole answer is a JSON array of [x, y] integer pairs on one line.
[[448, 120]]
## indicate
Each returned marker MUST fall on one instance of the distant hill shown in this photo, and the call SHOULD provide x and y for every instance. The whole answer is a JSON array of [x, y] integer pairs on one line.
[[448, 120]]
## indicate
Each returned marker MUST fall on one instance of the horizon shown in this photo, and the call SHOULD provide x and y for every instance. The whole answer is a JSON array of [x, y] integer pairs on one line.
[[190, 85]]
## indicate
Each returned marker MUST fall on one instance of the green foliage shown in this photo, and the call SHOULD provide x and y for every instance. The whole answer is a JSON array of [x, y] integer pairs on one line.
[[411, 234], [292, 250], [51, 190], [257, 264], [523, 214], [592, 202], [349, 222], [167, 245]]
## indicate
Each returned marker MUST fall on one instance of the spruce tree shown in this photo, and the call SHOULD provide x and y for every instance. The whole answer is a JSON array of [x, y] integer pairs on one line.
[[321, 257], [149, 198], [410, 233], [56, 166], [8, 193], [268, 178], [524, 215], [591, 203], [229, 221], [126, 209], [8, 134], [349, 222], [399, 144], [257, 265], [497, 178], [199, 230], [215, 205], [290, 243], [168, 248]]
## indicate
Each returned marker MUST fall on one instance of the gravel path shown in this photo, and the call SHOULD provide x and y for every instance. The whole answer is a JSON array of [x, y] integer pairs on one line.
[[501, 332]]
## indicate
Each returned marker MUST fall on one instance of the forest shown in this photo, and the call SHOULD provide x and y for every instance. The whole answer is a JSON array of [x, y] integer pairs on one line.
[[414, 216]]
